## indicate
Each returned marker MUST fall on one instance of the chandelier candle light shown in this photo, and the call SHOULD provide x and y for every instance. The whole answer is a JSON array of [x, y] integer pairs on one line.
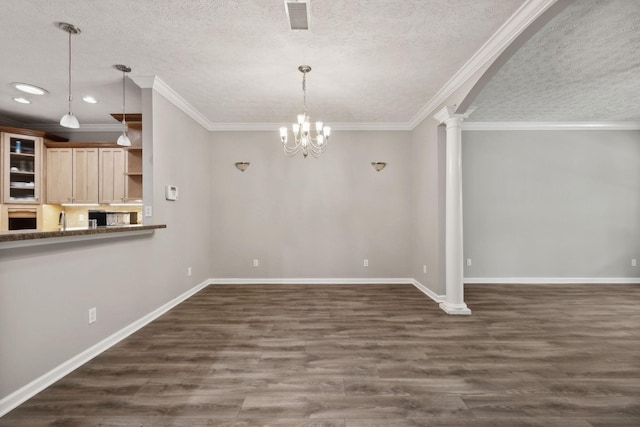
[[303, 139]]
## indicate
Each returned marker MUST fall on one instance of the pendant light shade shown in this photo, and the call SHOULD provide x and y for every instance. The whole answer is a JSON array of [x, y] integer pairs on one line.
[[69, 120], [123, 139]]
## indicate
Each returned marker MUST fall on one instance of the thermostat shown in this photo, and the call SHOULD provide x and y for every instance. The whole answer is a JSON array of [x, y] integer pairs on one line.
[[171, 192]]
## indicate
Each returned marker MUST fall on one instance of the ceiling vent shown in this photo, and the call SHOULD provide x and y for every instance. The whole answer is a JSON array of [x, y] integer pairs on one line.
[[298, 14]]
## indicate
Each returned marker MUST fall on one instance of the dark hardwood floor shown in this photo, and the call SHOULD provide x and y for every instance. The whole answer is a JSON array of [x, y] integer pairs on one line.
[[377, 355]]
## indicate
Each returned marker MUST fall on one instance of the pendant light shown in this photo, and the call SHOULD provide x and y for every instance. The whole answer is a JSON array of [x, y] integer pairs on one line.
[[69, 120], [123, 139]]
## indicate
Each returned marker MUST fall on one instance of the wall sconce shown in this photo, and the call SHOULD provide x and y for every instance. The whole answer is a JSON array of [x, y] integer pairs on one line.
[[242, 166], [378, 166]]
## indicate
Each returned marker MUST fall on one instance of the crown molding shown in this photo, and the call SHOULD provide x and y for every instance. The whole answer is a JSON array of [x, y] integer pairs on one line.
[[466, 126], [502, 126], [6, 121], [83, 128], [157, 84], [516, 24], [273, 127]]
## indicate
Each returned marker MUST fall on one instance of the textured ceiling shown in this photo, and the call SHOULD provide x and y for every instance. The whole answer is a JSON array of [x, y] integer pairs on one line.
[[235, 61], [583, 66]]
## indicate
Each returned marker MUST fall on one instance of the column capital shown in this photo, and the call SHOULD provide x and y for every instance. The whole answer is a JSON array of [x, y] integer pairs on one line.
[[449, 112]]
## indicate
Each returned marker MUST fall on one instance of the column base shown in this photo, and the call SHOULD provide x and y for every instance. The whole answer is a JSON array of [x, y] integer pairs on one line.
[[460, 309]]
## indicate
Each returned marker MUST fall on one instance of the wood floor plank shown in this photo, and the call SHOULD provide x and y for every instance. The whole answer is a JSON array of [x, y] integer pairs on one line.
[[372, 355]]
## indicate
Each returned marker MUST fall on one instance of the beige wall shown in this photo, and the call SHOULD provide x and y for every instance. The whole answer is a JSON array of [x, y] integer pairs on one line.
[[310, 218]]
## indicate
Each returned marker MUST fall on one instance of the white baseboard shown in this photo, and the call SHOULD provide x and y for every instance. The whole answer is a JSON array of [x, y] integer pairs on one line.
[[428, 292], [551, 280], [36, 386], [311, 281]]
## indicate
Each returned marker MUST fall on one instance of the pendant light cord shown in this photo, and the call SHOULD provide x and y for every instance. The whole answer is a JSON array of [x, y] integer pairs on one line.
[[69, 98], [124, 123]]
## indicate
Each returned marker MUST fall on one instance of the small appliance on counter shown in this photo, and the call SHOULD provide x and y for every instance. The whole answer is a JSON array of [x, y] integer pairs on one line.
[[99, 216]]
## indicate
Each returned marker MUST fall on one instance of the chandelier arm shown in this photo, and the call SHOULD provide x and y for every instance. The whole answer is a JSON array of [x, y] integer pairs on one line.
[[314, 143], [291, 151], [318, 149]]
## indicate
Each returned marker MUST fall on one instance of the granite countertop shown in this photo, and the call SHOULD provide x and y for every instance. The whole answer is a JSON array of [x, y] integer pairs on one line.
[[21, 235]]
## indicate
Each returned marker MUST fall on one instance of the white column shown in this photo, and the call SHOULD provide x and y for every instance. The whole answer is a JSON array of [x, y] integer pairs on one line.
[[454, 266]]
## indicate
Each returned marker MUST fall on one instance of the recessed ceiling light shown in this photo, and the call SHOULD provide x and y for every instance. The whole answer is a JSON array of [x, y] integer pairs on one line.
[[90, 100], [34, 90], [22, 100]]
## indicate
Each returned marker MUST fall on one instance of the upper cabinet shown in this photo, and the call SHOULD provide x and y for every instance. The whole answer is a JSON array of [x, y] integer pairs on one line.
[[112, 175], [21, 168], [85, 175], [59, 175], [72, 175]]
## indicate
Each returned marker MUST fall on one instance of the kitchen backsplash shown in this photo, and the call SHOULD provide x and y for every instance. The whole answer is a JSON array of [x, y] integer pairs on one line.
[[77, 216]]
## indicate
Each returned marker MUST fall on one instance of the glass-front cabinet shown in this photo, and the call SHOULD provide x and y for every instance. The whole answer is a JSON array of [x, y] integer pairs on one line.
[[21, 157]]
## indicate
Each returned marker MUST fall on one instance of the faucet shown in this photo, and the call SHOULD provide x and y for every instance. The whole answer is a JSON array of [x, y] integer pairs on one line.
[[62, 220]]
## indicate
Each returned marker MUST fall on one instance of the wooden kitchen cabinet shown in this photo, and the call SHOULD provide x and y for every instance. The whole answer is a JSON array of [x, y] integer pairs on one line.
[[21, 168], [72, 175], [85, 175], [112, 175], [59, 175], [133, 174]]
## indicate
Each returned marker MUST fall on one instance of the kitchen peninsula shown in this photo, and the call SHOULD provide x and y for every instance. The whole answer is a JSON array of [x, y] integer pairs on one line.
[[21, 238]]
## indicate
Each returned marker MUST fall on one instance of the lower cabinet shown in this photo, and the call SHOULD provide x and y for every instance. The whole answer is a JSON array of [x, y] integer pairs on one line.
[[112, 175], [72, 175]]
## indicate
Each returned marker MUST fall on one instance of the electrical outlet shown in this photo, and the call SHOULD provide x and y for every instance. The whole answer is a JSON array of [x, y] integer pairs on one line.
[[189, 271], [365, 263], [256, 263], [634, 263], [468, 262], [148, 211], [93, 315], [424, 269]]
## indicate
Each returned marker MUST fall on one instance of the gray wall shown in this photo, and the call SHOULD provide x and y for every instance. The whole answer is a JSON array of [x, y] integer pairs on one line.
[[551, 203], [46, 292], [310, 218]]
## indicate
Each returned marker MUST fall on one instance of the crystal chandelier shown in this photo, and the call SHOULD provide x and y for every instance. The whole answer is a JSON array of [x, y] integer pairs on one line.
[[303, 139]]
